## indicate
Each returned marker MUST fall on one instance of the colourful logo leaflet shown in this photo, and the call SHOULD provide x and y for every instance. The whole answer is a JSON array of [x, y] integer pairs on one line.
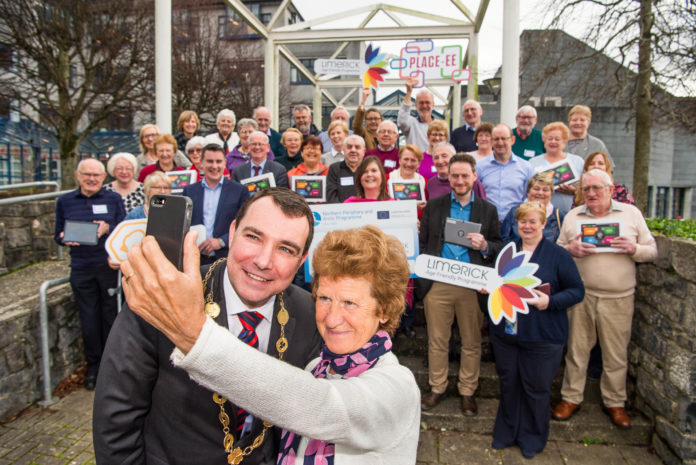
[[375, 62], [517, 279]]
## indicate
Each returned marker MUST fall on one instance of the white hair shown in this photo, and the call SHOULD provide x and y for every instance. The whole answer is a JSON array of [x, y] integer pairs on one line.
[[111, 164], [253, 114], [259, 133], [387, 122], [449, 146], [603, 175], [356, 138], [101, 165], [340, 107], [228, 113], [194, 141]]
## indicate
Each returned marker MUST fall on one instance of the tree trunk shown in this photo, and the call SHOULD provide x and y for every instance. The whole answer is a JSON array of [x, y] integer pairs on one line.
[[641, 165]]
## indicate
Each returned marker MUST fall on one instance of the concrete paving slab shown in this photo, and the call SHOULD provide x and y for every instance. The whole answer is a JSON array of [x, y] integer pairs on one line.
[[427, 446], [472, 449], [596, 454]]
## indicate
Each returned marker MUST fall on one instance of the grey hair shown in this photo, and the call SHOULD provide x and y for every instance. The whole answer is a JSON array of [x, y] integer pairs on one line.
[[388, 122], [354, 137], [527, 109], [449, 146], [301, 108], [254, 133], [603, 175], [340, 107], [247, 122], [478, 105]]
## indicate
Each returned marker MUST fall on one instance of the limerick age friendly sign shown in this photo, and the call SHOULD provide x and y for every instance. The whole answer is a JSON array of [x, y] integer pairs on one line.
[[420, 59], [396, 218], [509, 284]]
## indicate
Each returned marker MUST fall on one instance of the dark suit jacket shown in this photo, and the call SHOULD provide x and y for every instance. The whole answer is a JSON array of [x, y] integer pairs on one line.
[[146, 411], [276, 146], [463, 139], [232, 198], [279, 172], [432, 232]]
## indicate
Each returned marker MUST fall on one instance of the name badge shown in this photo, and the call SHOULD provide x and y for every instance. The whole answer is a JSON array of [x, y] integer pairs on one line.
[[433, 169], [99, 209], [389, 163], [529, 153], [347, 181]]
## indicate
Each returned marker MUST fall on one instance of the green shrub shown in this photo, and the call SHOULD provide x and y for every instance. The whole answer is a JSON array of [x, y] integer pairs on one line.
[[673, 228]]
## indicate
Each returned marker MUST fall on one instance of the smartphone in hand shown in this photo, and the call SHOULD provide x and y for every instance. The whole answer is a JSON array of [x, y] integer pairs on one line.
[[545, 288], [168, 220]]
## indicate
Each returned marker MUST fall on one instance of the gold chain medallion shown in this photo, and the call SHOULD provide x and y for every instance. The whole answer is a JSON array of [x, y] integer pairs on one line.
[[236, 455]]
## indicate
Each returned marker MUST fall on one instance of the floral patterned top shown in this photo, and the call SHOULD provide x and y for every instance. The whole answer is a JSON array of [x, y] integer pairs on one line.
[[132, 200], [622, 194]]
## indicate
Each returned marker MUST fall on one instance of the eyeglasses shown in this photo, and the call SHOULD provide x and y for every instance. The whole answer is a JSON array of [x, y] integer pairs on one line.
[[123, 168], [150, 136], [500, 139], [91, 175], [386, 131], [310, 148], [375, 118], [595, 188], [198, 150], [438, 134], [525, 117], [161, 188]]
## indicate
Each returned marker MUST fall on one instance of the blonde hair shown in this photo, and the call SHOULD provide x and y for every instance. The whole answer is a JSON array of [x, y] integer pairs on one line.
[[338, 124], [413, 148], [145, 127], [531, 207], [582, 109], [556, 126], [438, 125]]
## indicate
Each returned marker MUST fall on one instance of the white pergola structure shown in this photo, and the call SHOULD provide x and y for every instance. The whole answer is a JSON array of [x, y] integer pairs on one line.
[[466, 27]]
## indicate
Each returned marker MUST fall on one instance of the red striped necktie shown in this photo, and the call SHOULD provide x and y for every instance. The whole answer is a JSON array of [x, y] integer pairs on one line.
[[249, 321]]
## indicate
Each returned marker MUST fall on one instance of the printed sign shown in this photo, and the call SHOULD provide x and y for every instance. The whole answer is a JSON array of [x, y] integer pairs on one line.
[[406, 190], [312, 188], [181, 179], [423, 60], [396, 218], [256, 183], [601, 234], [562, 171], [509, 284], [124, 236]]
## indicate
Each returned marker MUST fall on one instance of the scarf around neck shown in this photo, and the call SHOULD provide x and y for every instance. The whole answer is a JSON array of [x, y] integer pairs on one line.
[[347, 366]]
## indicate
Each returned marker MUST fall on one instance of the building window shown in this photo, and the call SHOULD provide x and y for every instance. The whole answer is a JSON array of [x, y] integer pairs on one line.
[[266, 18], [116, 121], [661, 202], [297, 78], [6, 56], [678, 194]]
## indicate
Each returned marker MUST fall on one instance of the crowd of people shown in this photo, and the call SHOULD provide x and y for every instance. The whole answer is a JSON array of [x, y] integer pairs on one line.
[[177, 384]]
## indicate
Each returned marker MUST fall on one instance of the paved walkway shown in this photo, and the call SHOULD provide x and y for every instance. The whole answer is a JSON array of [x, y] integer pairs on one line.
[[62, 435]]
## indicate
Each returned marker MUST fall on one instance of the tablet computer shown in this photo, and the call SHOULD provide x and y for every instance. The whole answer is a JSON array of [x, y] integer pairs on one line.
[[456, 231], [82, 232]]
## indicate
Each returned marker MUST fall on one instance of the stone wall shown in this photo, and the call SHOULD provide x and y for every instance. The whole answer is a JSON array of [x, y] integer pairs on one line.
[[21, 372], [662, 353], [26, 233]]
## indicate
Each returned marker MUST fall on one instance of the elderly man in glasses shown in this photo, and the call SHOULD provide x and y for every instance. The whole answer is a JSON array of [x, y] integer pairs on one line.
[[610, 280]]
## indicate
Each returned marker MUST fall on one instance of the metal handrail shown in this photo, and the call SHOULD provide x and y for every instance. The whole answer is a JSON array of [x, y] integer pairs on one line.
[[7, 187], [27, 198], [49, 399]]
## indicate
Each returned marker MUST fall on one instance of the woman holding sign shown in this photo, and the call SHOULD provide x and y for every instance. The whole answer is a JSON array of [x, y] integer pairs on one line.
[[555, 137], [370, 181], [528, 352]]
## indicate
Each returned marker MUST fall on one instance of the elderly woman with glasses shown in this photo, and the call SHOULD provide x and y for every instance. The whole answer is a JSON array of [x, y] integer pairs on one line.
[[121, 167], [156, 183], [438, 131]]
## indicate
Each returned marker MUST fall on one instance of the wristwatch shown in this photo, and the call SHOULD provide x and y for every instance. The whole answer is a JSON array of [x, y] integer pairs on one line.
[[222, 243]]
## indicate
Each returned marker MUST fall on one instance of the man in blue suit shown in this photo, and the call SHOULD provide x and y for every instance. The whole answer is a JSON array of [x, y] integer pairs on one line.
[[259, 164], [215, 204]]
